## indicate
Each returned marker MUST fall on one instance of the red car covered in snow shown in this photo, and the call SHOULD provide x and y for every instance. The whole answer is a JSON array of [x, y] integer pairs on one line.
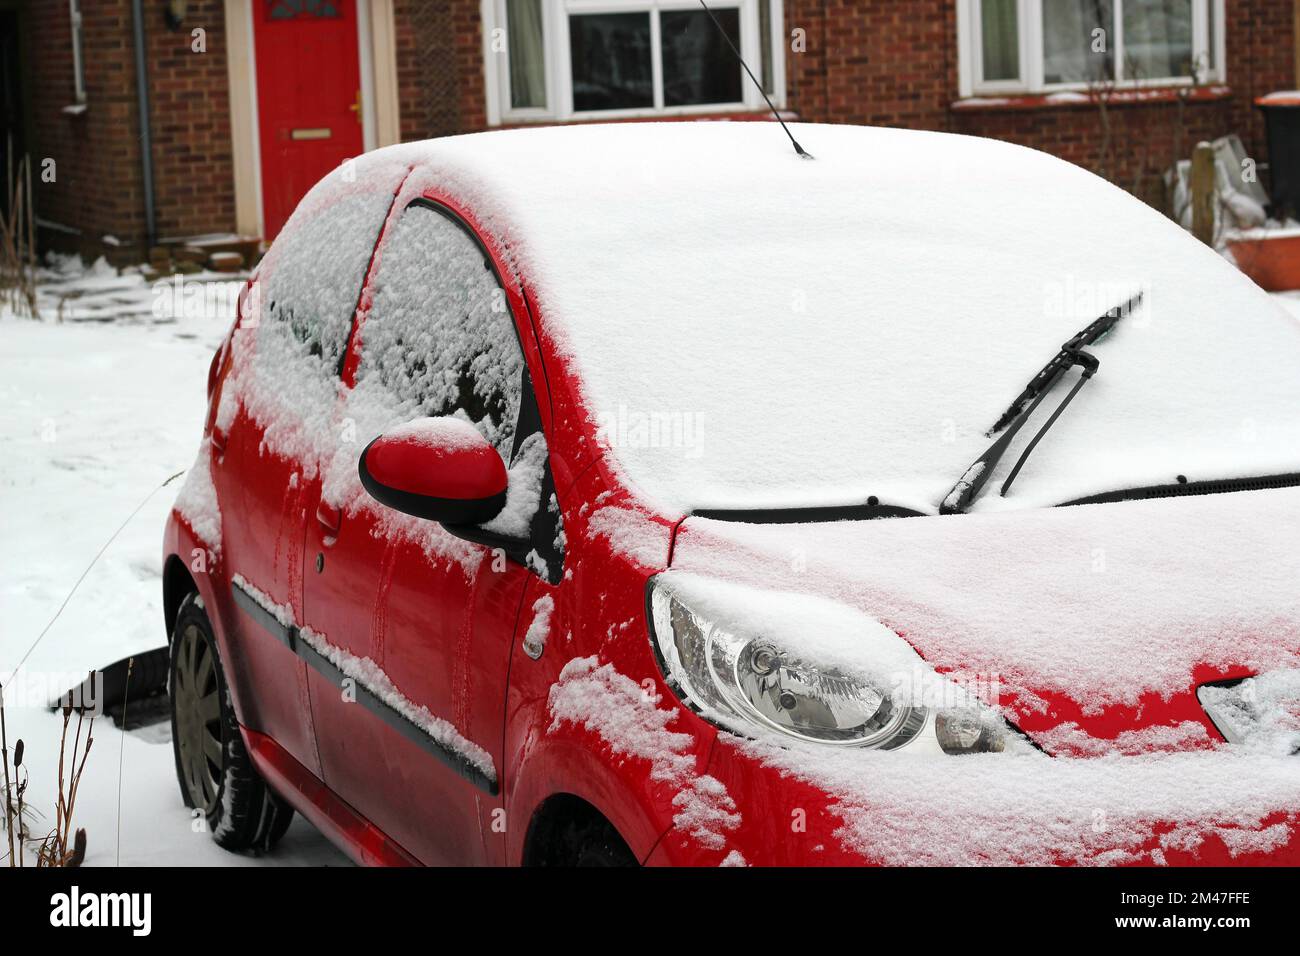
[[648, 493]]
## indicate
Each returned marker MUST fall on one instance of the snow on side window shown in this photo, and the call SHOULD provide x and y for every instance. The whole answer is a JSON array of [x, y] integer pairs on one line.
[[315, 270], [439, 338], [295, 321]]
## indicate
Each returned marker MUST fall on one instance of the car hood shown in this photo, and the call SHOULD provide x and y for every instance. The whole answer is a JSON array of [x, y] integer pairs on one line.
[[1095, 624]]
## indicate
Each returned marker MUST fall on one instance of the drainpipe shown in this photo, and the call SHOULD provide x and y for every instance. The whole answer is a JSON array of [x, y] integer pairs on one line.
[[146, 136]]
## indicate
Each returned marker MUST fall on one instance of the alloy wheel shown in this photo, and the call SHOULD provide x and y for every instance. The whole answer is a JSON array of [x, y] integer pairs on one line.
[[197, 703]]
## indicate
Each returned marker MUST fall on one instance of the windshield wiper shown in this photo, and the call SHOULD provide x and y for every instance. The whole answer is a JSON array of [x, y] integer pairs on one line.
[[1072, 354]]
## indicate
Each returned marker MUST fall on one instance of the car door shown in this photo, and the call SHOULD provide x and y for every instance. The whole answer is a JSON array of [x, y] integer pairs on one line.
[[415, 623], [287, 349]]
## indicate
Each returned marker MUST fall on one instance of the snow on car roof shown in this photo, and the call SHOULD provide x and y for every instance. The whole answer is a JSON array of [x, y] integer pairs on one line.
[[757, 330]]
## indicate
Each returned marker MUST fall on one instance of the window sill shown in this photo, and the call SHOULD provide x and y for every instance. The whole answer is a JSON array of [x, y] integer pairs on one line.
[[1085, 99]]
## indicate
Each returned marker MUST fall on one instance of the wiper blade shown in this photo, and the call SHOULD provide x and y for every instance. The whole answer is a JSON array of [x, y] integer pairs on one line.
[[1053, 370], [972, 482]]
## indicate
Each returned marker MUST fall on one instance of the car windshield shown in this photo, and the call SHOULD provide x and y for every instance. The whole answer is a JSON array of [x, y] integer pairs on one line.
[[756, 331]]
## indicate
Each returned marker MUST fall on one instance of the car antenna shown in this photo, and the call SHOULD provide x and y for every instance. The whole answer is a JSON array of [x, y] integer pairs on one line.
[[772, 106]]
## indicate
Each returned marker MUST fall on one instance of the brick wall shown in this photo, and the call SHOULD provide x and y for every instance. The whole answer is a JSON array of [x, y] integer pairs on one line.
[[190, 104], [877, 62], [96, 153], [895, 64], [1261, 58], [439, 67], [99, 185]]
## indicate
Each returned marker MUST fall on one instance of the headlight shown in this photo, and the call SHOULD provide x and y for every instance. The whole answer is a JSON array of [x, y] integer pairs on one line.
[[731, 675], [744, 673], [970, 730]]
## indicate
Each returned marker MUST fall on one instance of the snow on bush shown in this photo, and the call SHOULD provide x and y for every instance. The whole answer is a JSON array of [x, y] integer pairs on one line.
[[597, 698]]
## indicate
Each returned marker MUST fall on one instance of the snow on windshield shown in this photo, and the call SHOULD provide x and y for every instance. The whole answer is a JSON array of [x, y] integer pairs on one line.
[[756, 330]]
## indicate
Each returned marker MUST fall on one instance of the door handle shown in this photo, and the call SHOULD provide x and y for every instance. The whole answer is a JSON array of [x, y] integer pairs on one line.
[[218, 440], [329, 518]]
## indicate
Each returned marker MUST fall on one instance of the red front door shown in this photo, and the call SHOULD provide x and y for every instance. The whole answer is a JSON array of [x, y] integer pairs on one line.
[[308, 97]]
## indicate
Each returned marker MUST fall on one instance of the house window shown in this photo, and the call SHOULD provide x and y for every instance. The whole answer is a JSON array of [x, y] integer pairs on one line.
[[78, 63], [1030, 46], [572, 59]]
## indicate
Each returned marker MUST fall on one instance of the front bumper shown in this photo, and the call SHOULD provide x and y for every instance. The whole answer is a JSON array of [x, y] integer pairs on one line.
[[809, 807]]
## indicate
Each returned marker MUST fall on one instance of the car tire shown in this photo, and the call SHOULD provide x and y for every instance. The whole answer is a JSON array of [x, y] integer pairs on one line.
[[216, 775], [595, 843]]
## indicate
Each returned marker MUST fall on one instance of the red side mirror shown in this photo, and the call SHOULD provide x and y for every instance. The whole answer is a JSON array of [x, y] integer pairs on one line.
[[436, 468]]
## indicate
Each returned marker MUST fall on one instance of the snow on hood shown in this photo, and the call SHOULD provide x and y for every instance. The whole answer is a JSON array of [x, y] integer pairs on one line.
[[1071, 613], [756, 330], [1099, 605]]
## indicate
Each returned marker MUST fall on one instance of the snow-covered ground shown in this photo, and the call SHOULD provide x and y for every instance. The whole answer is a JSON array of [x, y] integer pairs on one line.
[[94, 415]]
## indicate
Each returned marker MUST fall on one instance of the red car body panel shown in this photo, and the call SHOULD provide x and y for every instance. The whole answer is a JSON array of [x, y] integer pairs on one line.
[[365, 843], [452, 642]]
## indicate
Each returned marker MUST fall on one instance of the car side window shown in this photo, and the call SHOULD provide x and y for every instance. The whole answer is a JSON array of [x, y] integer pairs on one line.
[[295, 319], [314, 272], [439, 339]]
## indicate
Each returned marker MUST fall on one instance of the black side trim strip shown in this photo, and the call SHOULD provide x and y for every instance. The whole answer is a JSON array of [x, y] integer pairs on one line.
[[1221, 487], [283, 633], [290, 637]]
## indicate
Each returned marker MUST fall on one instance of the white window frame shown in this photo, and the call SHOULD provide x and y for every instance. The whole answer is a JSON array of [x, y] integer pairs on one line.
[[78, 63], [559, 75], [1030, 17]]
